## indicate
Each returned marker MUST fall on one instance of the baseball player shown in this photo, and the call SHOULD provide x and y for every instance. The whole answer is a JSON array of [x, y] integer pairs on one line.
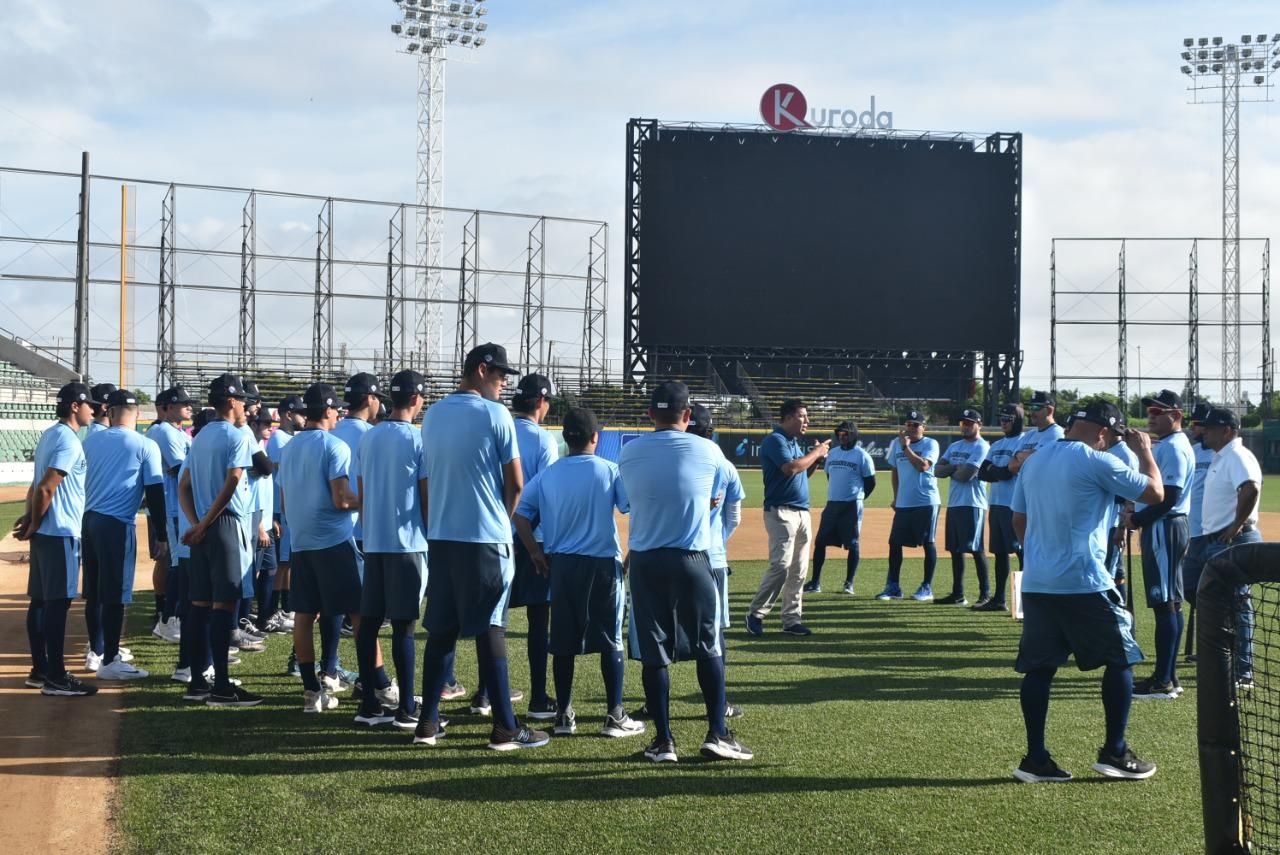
[[966, 507], [92, 606], [51, 524], [1164, 540], [474, 483], [1114, 441], [851, 476], [264, 555], [101, 410], [292, 420], [364, 396], [915, 505], [995, 470], [173, 407], [1040, 411], [1060, 506], [123, 465], [670, 478], [1193, 562], [574, 499], [246, 635]]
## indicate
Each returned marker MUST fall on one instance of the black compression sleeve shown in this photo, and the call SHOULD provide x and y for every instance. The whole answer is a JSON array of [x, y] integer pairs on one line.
[[1151, 513], [262, 464], [868, 485], [155, 506]]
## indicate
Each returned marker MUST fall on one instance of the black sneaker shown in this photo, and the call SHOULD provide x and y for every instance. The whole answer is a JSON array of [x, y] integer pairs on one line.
[[236, 696], [480, 705], [732, 711], [811, 588], [1048, 772], [427, 732], [982, 600], [726, 747], [35, 680], [544, 710], [617, 725], [1190, 658], [66, 686], [661, 750], [522, 737], [196, 692], [406, 720], [641, 713], [991, 605], [566, 723], [1149, 689], [374, 718], [797, 629], [952, 599], [1127, 766]]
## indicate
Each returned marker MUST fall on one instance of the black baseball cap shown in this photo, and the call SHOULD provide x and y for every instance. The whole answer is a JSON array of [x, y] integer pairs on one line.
[[319, 397], [1010, 412], [494, 356], [362, 384], [532, 386], [99, 394], [405, 384], [670, 396], [75, 392], [174, 395], [122, 398], [226, 386], [290, 404], [913, 416], [201, 419], [1041, 399], [251, 393], [1167, 399], [263, 417], [1199, 411], [579, 425], [971, 415], [1103, 413], [1222, 417], [700, 421]]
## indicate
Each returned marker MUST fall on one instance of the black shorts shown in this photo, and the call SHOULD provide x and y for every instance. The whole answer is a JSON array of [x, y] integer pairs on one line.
[[393, 585], [586, 606], [1095, 628], [1004, 540], [326, 581], [914, 526], [55, 567], [467, 587], [109, 549], [528, 587], [839, 525], [964, 529], [675, 606], [217, 562], [1164, 543]]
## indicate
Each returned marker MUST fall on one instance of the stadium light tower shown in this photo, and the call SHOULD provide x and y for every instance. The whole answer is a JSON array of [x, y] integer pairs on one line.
[[1227, 74], [426, 29]]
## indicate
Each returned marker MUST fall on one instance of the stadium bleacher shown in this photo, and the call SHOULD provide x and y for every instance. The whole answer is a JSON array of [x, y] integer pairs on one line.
[[26, 407]]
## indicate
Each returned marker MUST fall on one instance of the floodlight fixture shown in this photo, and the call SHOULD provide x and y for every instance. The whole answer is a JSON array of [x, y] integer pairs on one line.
[[1202, 41], [1186, 69], [1261, 37], [1217, 40], [1246, 38], [481, 26], [1186, 54], [1258, 78], [397, 29], [479, 40], [453, 37], [1188, 42], [412, 47]]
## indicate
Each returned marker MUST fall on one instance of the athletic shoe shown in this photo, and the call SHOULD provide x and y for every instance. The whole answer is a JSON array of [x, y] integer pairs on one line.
[[247, 643], [952, 600], [125, 654], [348, 677], [334, 683], [279, 623], [92, 661], [923, 594], [232, 658], [167, 630], [118, 669], [292, 669], [732, 711], [35, 680], [1048, 772], [516, 695], [811, 588], [381, 715], [237, 697], [992, 605], [725, 747], [249, 628], [566, 723], [348, 629], [1177, 687], [67, 687], [1127, 766], [618, 724], [321, 701], [542, 710], [1244, 684], [641, 713], [1190, 658], [501, 739], [480, 705], [427, 732], [181, 675], [406, 720], [1149, 689], [661, 750], [890, 592], [388, 697], [848, 588], [798, 629], [755, 626], [196, 693], [210, 675], [453, 691]]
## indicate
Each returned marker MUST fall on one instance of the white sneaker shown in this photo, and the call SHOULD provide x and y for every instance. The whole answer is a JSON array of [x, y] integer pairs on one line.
[[209, 675], [126, 655], [246, 642], [181, 675], [333, 684], [92, 661], [167, 630], [313, 702], [118, 669], [389, 697]]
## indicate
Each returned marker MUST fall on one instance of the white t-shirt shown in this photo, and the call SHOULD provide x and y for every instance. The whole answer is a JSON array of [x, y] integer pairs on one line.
[[1230, 469]]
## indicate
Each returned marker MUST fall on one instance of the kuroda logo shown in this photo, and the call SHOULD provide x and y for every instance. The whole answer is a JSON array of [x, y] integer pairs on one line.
[[784, 108]]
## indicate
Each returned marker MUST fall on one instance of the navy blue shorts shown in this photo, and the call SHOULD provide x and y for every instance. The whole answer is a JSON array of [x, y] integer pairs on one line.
[[1004, 540], [1095, 628], [109, 550], [393, 584], [55, 567], [327, 581], [529, 587], [467, 587], [1164, 543], [217, 562], [840, 524], [914, 526], [283, 550], [264, 557], [587, 604], [964, 529], [1193, 565], [675, 606], [721, 577]]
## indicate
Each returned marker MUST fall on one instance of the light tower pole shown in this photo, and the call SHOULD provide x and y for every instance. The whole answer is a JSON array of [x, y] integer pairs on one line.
[[1217, 73], [426, 29]]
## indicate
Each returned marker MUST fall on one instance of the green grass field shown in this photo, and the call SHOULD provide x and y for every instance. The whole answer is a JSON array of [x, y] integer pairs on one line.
[[9, 513], [892, 730]]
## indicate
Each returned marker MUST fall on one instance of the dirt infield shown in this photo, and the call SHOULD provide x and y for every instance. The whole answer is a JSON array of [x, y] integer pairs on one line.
[[13, 493]]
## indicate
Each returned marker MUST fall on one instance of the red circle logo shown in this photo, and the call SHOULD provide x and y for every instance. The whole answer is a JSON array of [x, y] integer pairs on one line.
[[783, 107]]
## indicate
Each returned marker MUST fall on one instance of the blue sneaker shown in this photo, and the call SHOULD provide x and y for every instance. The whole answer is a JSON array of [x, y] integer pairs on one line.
[[923, 594], [755, 626], [890, 592]]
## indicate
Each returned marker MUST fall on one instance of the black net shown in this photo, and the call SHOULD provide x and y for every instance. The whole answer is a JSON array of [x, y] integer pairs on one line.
[[1255, 675]]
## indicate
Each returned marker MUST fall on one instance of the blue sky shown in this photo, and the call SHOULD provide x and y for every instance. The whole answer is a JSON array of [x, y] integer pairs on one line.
[[309, 95]]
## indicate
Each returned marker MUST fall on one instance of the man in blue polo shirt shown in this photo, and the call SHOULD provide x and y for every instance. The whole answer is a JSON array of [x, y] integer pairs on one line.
[[995, 470], [915, 505], [473, 485], [122, 466], [787, 521], [173, 407], [966, 507], [1071, 607], [51, 525], [851, 476]]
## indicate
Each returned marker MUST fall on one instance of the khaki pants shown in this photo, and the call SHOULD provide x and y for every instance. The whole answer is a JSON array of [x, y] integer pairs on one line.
[[790, 533]]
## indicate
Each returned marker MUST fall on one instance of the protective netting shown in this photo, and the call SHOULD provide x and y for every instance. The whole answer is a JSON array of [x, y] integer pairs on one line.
[[1255, 676]]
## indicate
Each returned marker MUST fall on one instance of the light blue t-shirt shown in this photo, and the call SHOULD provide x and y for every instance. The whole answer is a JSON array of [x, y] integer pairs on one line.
[[1035, 439], [728, 487], [1065, 490], [93, 428], [575, 498], [122, 462], [1203, 457], [1125, 453], [1002, 451], [311, 460], [350, 430], [971, 493], [1177, 464], [174, 443], [59, 448], [845, 471], [466, 440], [669, 476], [219, 447], [275, 453], [180, 549], [915, 489], [537, 452], [264, 490], [389, 462]]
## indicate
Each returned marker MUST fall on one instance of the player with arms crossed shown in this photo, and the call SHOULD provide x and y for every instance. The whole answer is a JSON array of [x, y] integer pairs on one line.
[[995, 470], [966, 506], [851, 476], [915, 506]]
